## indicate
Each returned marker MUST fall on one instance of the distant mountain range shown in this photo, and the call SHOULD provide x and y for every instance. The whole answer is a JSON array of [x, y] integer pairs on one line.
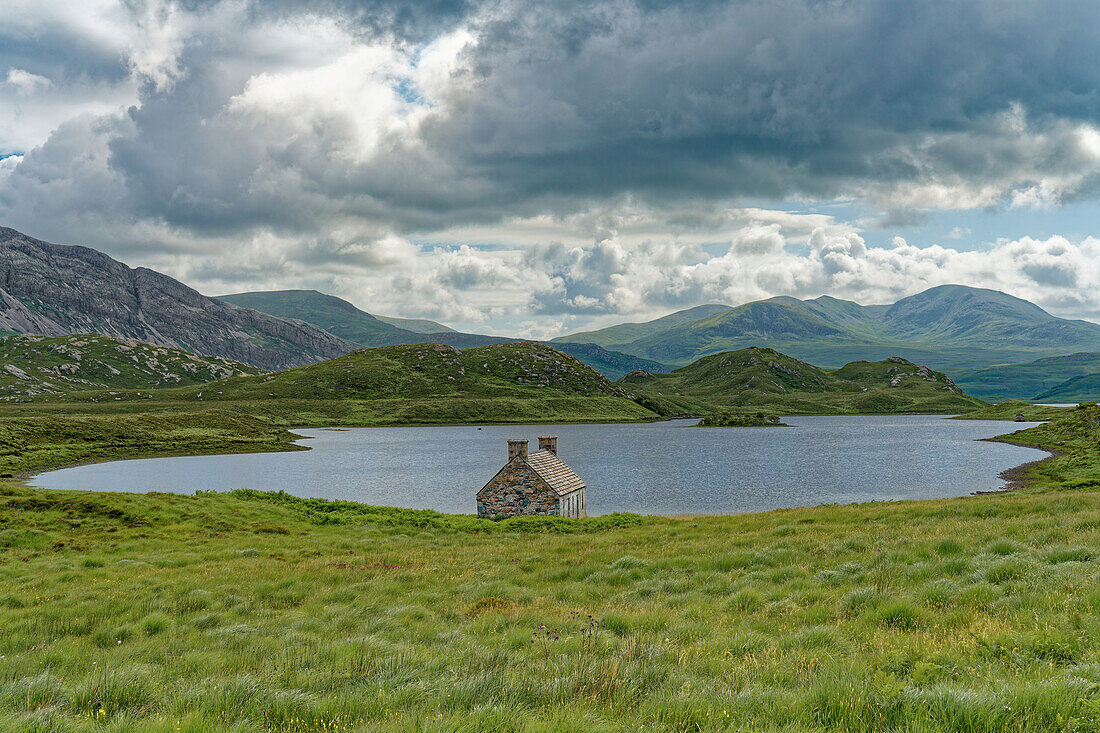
[[341, 318], [950, 327], [55, 290]]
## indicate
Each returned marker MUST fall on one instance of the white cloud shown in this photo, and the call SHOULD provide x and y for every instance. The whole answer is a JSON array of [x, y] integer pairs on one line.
[[25, 83], [354, 98]]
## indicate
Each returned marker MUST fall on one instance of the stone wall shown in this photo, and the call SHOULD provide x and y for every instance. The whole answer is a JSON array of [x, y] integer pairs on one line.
[[516, 490]]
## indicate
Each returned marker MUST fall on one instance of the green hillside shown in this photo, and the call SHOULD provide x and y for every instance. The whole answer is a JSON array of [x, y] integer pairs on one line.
[[949, 327], [334, 315], [407, 384], [1077, 389], [766, 380], [33, 366], [627, 333], [1029, 380], [341, 318], [416, 325], [612, 364]]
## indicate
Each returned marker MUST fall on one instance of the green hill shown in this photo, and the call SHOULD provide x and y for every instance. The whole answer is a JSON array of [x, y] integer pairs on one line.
[[343, 319], [32, 366], [333, 314], [412, 384], [612, 364], [951, 327], [1029, 380], [416, 325], [627, 333], [766, 380], [1077, 389]]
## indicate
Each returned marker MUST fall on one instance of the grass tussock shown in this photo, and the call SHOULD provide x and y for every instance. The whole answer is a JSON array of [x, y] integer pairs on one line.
[[157, 612]]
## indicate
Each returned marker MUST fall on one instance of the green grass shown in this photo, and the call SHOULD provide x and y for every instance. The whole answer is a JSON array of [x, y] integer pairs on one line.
[[257, 612], [765, 380], [417, 384], [1009, 409], [254, 611], [1075, 438], [30, 444], [34, 366]]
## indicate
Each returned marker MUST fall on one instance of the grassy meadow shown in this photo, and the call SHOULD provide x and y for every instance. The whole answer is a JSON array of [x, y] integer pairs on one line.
[[264, 612], [251, 613]]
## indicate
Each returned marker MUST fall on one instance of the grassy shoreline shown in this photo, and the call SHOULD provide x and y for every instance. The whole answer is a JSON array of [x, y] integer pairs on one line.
[[253, 611]]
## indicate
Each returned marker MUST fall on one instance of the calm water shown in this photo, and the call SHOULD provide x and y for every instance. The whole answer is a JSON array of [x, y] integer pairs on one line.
[[653, 468]]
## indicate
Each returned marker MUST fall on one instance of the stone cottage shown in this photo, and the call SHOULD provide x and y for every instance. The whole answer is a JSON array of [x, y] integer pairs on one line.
[[536, 483]]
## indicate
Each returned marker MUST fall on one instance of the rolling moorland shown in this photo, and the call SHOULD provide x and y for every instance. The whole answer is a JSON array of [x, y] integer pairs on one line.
[[264, 612], [765, 380], [415, 384], [431, 384], [343, 319], [411, 385], [31, 366]]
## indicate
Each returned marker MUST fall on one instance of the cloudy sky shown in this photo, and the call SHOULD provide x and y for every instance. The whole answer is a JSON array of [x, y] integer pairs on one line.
[[539, 168]]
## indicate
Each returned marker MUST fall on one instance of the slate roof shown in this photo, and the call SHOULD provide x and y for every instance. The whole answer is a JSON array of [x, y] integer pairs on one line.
[[554, 472]]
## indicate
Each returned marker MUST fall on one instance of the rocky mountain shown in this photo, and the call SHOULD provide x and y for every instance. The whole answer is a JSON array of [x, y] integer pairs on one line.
[[56, 290], [36, 366], [949, 327]]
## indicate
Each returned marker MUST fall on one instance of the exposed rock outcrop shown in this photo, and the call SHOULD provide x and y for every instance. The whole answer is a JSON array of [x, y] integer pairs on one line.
[[57, 290]]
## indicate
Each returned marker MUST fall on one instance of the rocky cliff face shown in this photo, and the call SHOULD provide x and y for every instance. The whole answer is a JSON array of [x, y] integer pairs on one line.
[[55, 290]]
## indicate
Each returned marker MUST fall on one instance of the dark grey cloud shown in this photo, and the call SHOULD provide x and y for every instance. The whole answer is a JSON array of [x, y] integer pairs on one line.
[[559, 104], [316, 135]]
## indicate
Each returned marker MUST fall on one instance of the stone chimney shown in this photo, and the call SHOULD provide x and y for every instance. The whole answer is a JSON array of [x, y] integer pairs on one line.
[[549, 442], [516, 447]]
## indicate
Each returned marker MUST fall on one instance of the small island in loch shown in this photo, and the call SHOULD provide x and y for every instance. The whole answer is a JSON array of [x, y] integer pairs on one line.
[[741, 420]]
